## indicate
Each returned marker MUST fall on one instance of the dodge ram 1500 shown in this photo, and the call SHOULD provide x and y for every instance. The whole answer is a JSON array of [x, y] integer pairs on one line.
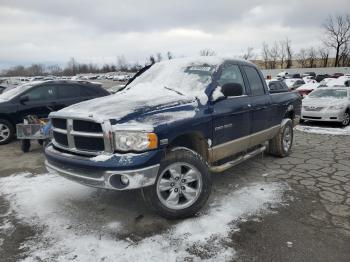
[[171, 129]]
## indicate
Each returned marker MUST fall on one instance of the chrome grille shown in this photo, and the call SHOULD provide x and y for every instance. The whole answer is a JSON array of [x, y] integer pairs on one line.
[[312, 108], [80, 136]]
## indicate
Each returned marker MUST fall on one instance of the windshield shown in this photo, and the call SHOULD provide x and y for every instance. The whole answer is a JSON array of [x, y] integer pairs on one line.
[[333, 93], [8, 95], [182, 76]]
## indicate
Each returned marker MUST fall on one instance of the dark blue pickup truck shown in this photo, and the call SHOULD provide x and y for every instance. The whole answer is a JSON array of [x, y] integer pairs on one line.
[[171, 128]]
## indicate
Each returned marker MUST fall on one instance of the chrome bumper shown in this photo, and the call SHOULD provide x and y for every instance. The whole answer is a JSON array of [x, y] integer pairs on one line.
[[108, 179], [328, 116]]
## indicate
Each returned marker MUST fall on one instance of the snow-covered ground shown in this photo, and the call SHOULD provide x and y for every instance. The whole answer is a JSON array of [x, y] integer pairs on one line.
[[70, 232], [324, 130]]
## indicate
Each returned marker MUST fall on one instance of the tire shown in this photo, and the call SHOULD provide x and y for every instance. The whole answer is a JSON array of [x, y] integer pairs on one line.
[[346, 120], [41, 142], [192, 196], [7, 132], [281, 144], [25, 145]]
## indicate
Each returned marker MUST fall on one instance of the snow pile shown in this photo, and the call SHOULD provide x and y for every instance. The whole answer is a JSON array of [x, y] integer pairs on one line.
[[101, 158], [71, 233], [309, 86], [217, 94], [324, 130]]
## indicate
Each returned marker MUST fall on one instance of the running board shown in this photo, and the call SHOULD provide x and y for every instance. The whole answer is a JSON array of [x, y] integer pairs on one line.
[[238, 160]]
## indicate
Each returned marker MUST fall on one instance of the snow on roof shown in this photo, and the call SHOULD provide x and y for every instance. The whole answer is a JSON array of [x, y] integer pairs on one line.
[[309, 86]]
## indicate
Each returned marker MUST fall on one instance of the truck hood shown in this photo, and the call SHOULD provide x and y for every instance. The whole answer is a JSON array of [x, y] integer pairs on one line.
[[123, 108]]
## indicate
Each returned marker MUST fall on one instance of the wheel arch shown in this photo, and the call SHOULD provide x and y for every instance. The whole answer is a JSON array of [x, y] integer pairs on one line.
[[191, 140]]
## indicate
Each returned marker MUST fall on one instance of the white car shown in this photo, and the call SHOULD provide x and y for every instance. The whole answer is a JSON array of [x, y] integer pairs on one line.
[[340, 81], [327, 104], [307, 88], [309, 79]]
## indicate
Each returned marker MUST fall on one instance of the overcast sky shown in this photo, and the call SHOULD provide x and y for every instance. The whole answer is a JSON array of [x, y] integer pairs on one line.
[[50, 32]]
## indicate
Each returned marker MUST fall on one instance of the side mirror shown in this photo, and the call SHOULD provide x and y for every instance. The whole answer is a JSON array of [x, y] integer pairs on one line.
[[232, 89], [24, 99]]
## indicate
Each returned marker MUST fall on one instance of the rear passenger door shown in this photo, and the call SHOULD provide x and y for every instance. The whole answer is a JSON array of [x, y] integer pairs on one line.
[[260, 101], [70, 94]]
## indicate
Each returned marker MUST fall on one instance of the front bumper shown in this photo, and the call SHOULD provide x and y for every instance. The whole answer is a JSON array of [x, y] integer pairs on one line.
[[324, 115], [140, 170]]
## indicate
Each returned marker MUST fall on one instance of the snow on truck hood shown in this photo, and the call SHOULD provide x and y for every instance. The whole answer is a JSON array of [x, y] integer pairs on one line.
[[166, 84]]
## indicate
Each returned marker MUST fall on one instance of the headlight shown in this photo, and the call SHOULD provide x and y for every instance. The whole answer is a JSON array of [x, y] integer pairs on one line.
[[338, 107], [134, 141]]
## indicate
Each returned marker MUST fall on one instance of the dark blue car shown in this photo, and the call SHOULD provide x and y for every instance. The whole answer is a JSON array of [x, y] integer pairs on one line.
[[171, 128]]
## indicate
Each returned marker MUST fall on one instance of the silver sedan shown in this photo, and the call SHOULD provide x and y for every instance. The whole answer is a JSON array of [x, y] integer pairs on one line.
[[331, 104]]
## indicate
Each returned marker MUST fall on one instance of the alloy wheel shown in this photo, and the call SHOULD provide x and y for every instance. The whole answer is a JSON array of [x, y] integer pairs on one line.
[[179, 185], [4, 132]]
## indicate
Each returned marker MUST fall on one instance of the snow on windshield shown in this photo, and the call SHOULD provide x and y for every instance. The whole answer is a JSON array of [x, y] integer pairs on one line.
[[170, 82], [189, 77]]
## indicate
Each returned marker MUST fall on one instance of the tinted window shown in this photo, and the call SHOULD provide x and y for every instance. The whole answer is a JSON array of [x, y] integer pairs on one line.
[[41, 93], [69, 91], [231, 74], [256, 85]]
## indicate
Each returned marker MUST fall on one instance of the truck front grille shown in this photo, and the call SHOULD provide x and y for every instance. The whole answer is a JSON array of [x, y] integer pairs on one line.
[[80, 136], [86, 126], [89, 143], [60, 138]]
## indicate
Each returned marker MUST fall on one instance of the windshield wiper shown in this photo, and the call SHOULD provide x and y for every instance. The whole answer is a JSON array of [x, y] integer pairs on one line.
[[176, 91]]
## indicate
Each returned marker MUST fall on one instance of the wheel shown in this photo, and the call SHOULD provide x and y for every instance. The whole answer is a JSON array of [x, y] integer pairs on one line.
[[25, 145], [7, 132], [182, 187], [346, 119], [281, 144]]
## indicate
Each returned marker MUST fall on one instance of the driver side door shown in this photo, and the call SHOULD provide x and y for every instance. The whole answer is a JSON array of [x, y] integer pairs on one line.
[[231, 116]]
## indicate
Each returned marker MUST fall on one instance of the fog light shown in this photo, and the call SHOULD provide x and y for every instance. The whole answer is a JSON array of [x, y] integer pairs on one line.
[[124, 180]]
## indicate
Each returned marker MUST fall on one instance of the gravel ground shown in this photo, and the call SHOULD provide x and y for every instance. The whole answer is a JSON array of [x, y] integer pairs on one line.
[[311, 223]]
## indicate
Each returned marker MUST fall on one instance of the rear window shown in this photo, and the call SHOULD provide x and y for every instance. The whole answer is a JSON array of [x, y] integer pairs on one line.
[[255, 82]]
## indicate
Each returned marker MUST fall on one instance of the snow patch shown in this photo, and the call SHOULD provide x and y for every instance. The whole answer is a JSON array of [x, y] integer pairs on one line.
[[101, 158], [56, 205], [217, 94], [324, 130]]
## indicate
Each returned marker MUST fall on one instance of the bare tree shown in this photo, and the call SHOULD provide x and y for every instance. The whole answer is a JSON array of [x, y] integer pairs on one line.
[[151, 60], [274, 54], [288, 46], [265, 54], [159, 57], [169, 55], [311, 56], [323, 52], [344, 57], [207, 52], [337, 30], [249, 54], [302, 58], [122, 65], [282, 52]]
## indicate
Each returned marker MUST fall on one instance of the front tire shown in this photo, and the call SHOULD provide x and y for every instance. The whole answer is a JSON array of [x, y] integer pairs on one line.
[[182, 187], [346, 119], [281, 144], [7, 132]]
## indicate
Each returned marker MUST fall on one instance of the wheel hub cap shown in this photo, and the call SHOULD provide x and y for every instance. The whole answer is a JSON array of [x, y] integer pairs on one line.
[[179, 186]]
